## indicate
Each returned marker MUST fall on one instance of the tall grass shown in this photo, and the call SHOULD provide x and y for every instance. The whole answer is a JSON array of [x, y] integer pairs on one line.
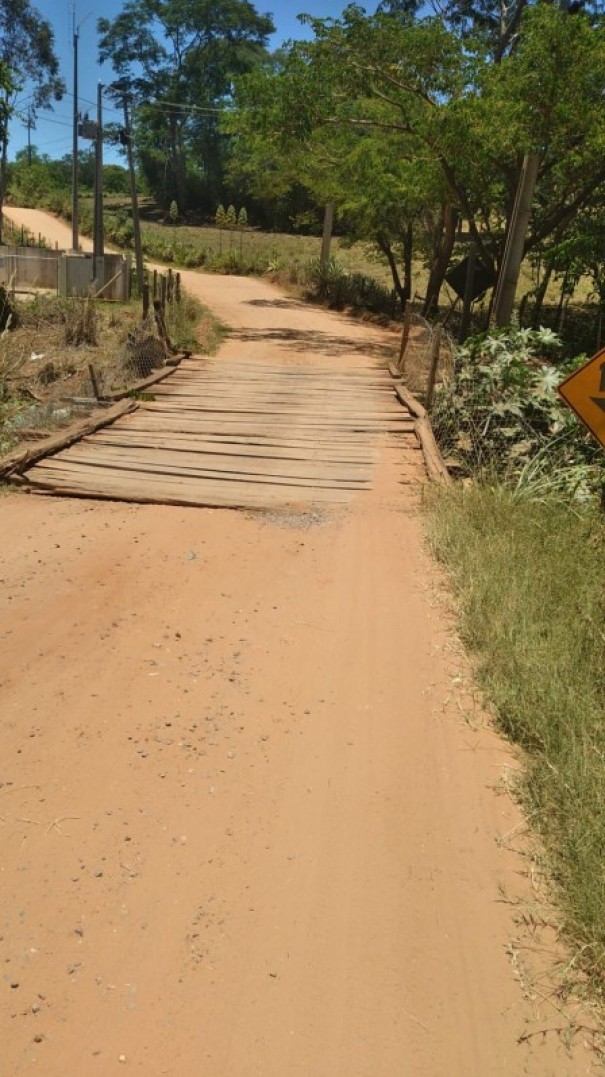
[[530, 581]]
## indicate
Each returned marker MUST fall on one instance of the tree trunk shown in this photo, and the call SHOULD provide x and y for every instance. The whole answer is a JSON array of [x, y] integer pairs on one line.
[[178, 162], [540, 296], [324, 257], [408, 253], [384, 245], [443, 253]]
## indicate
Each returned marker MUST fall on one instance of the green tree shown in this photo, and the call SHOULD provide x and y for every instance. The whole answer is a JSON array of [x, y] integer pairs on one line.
[[27, 61], [177, 59]]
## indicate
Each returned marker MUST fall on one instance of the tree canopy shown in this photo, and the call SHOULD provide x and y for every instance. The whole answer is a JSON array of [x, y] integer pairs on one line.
[[418, 121], [177, 59]]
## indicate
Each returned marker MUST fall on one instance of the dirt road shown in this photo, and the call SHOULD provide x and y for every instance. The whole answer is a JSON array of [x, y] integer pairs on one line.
[[248, 814]]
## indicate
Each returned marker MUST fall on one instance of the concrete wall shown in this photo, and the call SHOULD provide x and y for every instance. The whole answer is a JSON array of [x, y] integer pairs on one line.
[[76, 279], [70, 274], [35, 266]]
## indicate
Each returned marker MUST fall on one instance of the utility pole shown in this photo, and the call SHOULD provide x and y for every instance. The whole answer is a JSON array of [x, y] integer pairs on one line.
[[30, 123], [97, 251], [75, 222], [508, 279], [136, 223]]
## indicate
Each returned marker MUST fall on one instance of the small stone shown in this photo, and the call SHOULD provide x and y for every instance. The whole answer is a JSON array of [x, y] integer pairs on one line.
[[14, 986], [121, 1058], [38, 1039]]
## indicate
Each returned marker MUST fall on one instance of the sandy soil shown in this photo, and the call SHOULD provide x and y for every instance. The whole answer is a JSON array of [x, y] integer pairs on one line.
[[248, 813]]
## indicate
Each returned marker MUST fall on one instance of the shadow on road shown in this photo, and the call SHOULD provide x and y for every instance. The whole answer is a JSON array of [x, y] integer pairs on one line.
[[306, 340], [283, 304]]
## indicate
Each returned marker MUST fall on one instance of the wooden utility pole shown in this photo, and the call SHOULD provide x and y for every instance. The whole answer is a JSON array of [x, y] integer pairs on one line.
[[508, 279], [75, 222], [29, 124], [136, 223], [97, 252]]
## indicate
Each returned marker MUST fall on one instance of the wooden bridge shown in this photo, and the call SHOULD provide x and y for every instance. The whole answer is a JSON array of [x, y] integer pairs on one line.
[[238, 433]]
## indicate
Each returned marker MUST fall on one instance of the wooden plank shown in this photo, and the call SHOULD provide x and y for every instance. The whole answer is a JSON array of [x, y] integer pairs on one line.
[[349, 447], [17, 461], [257, 435], [153, 489], [130, 439], [164, 467], [194, 461]]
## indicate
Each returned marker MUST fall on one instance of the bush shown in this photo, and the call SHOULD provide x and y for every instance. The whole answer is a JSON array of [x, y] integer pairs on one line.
[[500, 415]]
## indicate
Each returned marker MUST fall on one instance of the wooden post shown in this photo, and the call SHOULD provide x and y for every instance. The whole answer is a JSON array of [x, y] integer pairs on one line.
[[177, 292], [155, 284], [95, 383], [405, 335], [163, 292], [169, 286], [136, 222], [469, 286], [145, 294], [506, 287], [161, 323], [430, 387]]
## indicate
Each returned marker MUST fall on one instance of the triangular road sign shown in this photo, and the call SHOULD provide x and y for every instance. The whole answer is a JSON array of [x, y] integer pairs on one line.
[[584, 392]]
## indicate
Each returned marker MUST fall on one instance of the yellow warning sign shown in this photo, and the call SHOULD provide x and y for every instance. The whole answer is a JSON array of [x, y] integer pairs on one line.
[[584, 392]]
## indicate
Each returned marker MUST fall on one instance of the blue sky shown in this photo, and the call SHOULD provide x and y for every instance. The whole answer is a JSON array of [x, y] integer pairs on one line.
[[53, 129]]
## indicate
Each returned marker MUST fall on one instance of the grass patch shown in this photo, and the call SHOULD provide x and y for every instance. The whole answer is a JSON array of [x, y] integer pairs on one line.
[[529, 578]]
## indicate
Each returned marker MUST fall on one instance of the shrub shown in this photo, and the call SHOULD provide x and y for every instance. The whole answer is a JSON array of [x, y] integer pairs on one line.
[[500, 414]]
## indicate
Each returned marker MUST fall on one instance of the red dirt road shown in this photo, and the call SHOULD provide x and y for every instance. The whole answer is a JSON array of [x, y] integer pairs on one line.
[[248, 827]]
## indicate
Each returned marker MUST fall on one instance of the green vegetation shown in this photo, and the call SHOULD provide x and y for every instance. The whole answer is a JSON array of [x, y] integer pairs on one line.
[[499, 415], [27, 57], [529, 576]]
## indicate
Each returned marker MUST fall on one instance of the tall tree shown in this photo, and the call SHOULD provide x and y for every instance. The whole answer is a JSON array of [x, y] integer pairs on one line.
[[27, 60], [177, 60]]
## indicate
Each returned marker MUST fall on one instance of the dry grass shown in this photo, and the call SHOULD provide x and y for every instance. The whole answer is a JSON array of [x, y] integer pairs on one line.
[[44, 362]]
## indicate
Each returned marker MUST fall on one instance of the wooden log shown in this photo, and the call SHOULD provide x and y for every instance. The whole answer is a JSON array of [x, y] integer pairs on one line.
[[20, 459], [145, 383], [409, 401], [435, 464]]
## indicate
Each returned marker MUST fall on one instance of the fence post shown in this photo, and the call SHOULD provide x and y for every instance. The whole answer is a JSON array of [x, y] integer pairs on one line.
[[145, 295], [169, 287], [178, 288], [163, 292], [430, 387], [155, 284], [95, 384]]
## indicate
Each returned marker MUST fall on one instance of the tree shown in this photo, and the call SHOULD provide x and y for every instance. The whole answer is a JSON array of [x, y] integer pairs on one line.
[[177, 60], [27, 59]]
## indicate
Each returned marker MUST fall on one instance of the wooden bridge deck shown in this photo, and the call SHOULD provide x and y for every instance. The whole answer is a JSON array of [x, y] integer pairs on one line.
[[237, 434]]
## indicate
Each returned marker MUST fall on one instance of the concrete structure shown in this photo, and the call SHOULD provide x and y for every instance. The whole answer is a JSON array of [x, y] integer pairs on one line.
[[66, 272]]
